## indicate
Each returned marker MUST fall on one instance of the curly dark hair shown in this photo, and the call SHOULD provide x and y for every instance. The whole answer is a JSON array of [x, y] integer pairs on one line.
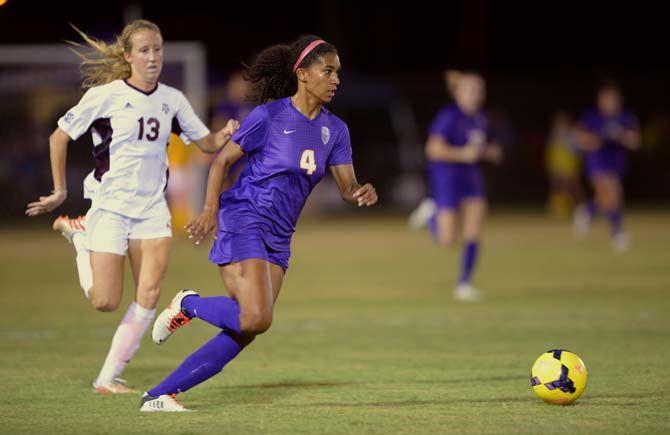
[[271, 73]]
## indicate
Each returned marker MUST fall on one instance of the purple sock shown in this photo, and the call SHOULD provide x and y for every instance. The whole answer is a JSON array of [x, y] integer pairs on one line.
[[199, 366], [220, 311], [432, 225], [468, 260], [592, 209], [615, 221]]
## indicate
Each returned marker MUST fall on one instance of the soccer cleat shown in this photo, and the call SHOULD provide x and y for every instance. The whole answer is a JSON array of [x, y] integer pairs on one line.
[[581, 222], [466, 292], [68, 227], [163, 403], [620, 242], [420, 217], [171, 318], [117, 386]]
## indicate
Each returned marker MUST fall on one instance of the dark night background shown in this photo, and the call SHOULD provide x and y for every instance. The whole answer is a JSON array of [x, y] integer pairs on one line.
[[536, 57]]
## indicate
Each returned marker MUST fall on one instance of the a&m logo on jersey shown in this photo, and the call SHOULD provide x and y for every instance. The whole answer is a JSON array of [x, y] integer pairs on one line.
[[325, 135], [166, 108]]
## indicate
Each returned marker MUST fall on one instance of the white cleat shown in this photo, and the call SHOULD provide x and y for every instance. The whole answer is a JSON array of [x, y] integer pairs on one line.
[[68, 227], [421, 215], [620, 242], [581, 221], [117, 386], [171, 318], [466, 292], [164, 403]]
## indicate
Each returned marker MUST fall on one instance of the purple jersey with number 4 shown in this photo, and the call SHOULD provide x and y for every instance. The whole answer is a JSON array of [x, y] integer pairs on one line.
[[288, 155], [611, 156], [452, 182]]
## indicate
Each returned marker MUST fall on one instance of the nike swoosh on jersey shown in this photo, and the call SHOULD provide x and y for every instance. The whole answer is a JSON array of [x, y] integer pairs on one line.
[[289, 131]]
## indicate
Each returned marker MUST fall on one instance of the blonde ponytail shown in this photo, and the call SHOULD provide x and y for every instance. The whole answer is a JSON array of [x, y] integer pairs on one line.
[[101, 62]]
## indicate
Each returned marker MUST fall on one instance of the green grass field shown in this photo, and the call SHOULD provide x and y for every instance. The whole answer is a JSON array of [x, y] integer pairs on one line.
[[366, 337]]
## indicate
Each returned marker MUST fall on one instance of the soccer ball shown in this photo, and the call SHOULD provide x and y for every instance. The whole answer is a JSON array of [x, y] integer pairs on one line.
[[558, 376]]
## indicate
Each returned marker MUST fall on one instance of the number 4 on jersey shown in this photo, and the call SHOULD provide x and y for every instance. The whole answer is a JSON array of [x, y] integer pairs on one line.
[[308, 162]]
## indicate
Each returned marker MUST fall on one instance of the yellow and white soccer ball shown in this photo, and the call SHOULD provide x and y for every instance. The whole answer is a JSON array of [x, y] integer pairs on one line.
[[558, 376]]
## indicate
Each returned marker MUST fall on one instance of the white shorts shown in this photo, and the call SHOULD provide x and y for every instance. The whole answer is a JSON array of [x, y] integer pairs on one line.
[[109, 232]]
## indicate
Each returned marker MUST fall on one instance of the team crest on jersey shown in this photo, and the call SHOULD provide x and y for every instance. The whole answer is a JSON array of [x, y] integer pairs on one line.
[[166, 108], [128, 105], [69, 116], [325, 135]]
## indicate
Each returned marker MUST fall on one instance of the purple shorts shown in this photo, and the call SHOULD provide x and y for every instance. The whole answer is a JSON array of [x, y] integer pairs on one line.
[[608, 160], [233, 248], [450, 184]]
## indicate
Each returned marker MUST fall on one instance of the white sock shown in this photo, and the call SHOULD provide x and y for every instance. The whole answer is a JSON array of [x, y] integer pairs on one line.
[[125, 342], [83, 262]]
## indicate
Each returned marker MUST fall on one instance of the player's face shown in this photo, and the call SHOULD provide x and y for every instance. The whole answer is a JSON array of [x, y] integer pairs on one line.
[[146, 55], [323, 78], [470, 93], [609, 102]]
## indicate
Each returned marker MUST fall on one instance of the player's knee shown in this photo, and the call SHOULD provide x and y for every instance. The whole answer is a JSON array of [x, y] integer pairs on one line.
[[104, 299], [103, 303], [445, 240], [149, 295], [255, 322]]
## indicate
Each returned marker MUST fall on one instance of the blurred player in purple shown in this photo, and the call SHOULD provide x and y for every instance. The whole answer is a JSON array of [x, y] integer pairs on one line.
[[606, 132], [458, 140], [290, 141]]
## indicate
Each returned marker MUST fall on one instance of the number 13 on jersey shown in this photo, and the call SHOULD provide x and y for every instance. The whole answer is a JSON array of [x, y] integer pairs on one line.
[[308, 162]]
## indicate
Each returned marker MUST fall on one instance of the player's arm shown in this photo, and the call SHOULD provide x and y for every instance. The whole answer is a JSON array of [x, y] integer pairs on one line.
[[206, 222], [586, 140], [213, 142], [350, 190], [630, 138], [493, 152], [437, 149], [58, 155]]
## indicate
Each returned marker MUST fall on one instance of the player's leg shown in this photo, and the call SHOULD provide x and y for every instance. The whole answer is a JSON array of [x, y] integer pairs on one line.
[[148, 260], [74, 230], [107, 285], [444, 227], [107, 242], [250, 284], [149, 252], [609, 194], [474, 212]]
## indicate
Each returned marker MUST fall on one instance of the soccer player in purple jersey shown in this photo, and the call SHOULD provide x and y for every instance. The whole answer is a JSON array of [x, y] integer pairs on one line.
[[458, 140], [605, 133], [290, 141]]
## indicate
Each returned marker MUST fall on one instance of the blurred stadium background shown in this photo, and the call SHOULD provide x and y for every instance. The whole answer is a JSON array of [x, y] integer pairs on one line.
[[359, 360], [537, 60]]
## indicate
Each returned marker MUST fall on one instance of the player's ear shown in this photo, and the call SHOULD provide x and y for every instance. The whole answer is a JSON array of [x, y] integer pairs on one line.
[[301, 73], [126, 56]]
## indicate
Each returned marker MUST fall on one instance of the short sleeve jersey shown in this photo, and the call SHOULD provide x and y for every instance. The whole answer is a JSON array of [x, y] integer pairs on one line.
[[131, 129], [457, 128], [288, 155], [608, 128]]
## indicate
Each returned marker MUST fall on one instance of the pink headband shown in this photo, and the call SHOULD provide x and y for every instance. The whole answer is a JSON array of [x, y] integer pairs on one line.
[[307, 50]]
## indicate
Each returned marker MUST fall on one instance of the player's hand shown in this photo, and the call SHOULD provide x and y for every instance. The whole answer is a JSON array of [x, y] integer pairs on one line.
[[204, 224], [224, 135], [46, 203], [366, 195], [471, 153], [630, 139], [493, 153]]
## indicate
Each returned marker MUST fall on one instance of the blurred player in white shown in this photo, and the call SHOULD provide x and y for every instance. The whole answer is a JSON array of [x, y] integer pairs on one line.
[[130, 115]]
